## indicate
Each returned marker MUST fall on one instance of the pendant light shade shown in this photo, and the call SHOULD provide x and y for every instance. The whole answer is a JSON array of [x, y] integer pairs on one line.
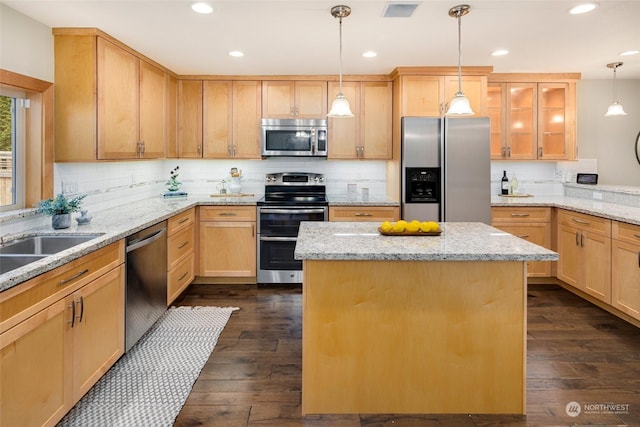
[[340, 106], [460, 105], [615, 108]]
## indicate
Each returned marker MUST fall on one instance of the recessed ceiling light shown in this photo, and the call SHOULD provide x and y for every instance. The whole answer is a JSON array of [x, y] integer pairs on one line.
[[369, 54], [236, 53], [500, 52], [583, 8], [202, 7], [629, 52]]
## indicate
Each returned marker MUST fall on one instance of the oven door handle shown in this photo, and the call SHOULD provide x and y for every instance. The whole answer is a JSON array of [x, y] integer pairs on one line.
[[292, 211], [278, 239]]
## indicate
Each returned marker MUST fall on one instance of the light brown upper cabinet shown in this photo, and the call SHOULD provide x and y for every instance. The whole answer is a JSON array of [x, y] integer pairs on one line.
[[532, 120], [231, 119], [110, 103], [190, 118], [304, 99], [172, 116], [368, 134]]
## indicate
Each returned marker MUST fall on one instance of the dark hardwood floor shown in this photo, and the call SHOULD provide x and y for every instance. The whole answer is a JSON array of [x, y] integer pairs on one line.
[[576, 353]]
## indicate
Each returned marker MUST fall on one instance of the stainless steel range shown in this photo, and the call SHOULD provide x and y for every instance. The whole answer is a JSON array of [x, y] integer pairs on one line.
[[290, 197]]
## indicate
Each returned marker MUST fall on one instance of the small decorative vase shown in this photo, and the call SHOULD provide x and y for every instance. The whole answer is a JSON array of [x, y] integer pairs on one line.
[[61, 221], [235, 186]]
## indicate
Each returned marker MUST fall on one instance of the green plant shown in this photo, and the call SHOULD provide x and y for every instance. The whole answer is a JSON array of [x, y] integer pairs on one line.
[[60, 205]]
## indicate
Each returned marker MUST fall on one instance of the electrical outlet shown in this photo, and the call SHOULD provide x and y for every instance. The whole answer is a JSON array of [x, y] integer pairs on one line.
[[559, 173], [597, 195]]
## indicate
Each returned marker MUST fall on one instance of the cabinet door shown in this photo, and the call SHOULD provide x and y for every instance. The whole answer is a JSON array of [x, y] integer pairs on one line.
[[554, 122], [218, 119], [421, 96], [247, 98], [344, 133], [596, 265], [521, 133], [171, 116], [34, 355], [310, 100], [539, 234], [152, 111], [278, 99], [375, 120], [227, 249], [569, 251], [190, 118], [495, 111], [117, 102], [625, 278], [98, 330], [473, 87]]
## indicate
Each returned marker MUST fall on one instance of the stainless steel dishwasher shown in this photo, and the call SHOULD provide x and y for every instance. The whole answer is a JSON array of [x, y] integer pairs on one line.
[[146, 281]]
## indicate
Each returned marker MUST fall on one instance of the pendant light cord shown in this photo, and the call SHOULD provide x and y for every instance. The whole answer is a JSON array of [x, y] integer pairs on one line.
[[615, 92], [459, 54], [340, 62]]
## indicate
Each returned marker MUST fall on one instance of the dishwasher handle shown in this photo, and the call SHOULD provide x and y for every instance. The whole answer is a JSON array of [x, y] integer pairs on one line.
[[144, 241]]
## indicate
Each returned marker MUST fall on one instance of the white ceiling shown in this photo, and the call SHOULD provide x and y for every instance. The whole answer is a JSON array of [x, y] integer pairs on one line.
[[300, 37]]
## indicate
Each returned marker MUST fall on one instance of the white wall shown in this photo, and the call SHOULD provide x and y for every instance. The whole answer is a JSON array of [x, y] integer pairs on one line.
[[26, 46], [610, 139]]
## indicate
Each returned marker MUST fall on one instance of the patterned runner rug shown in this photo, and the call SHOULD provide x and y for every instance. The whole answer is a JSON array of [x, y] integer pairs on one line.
[[148, 385]]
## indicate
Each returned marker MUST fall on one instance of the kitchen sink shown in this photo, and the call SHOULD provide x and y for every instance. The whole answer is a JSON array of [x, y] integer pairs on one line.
[[24, 251]]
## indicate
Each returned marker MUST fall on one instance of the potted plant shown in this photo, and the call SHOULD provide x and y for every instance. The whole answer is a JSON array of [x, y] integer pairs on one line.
[[60, 209]]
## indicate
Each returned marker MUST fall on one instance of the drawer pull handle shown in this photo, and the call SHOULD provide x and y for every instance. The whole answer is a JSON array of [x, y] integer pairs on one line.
[[81, 310], [582, 240], [580, 221], [637, 236], [519, 215], [183, 276], [577, 239], [523, 236], [74, 277], [638, 259], [183, 245], [183, 220], [363, 214], [227, 214]]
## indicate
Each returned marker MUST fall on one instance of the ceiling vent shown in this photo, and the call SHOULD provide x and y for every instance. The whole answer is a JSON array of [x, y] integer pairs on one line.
[[400, 9]]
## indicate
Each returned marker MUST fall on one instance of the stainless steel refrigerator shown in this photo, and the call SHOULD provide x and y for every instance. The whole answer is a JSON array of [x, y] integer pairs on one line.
[[446, 169]]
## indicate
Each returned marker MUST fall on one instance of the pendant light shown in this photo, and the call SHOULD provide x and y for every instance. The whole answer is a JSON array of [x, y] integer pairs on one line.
[[459, 105], [615, 108], [340, 105]]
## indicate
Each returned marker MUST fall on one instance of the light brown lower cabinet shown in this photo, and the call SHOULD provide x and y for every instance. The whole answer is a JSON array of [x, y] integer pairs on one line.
[[181, 236], [52, 357], [529, 223], [625, 268], [227, 241]]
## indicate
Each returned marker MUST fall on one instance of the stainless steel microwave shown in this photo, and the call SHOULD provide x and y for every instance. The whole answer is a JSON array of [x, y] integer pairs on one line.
[[294, 138]]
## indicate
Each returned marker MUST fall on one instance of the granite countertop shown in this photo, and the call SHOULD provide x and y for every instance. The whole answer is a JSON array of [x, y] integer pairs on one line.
[[112, 225], [598, 208], [459, 241]]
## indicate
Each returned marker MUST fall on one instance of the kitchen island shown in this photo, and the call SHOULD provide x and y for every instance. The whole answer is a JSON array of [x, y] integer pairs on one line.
[[425, 324]]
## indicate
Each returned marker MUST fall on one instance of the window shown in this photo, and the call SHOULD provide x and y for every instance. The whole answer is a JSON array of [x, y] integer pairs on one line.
[[12, 145]]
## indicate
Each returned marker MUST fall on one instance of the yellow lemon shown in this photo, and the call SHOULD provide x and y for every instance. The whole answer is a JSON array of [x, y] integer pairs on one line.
[[399, 226], [433, 226], [425, 227], [386, 226], [413, 226]]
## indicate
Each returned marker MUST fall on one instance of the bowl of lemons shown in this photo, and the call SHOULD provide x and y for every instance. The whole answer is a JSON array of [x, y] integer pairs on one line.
[[410, 228]]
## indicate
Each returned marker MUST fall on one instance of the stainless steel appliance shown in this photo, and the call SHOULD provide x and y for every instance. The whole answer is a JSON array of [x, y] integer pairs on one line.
[[146, 283], [289, 199], [446, 169], [293, 137]]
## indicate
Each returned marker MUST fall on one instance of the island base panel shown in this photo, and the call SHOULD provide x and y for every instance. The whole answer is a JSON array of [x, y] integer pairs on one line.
[[414, 337]]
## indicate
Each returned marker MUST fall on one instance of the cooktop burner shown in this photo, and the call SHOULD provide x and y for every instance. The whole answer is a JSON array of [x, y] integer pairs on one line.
[[294, 188]]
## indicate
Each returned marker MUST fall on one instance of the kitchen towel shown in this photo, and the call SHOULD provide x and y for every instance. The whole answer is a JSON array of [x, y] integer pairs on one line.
[[149, 385]]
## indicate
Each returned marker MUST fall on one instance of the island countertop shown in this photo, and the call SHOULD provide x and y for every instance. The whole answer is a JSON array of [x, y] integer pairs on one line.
[[459, 241]]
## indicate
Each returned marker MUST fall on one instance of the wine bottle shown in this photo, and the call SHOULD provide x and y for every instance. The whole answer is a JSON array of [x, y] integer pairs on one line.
[[505, 183]]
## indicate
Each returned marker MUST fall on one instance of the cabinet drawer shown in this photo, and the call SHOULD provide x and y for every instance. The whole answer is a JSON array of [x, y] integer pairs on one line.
[[227, 213], [364, 213], [180, 221], [180, 277], [625, 232], [179, 245], [520, 214], [26, 299], [585, 222]]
